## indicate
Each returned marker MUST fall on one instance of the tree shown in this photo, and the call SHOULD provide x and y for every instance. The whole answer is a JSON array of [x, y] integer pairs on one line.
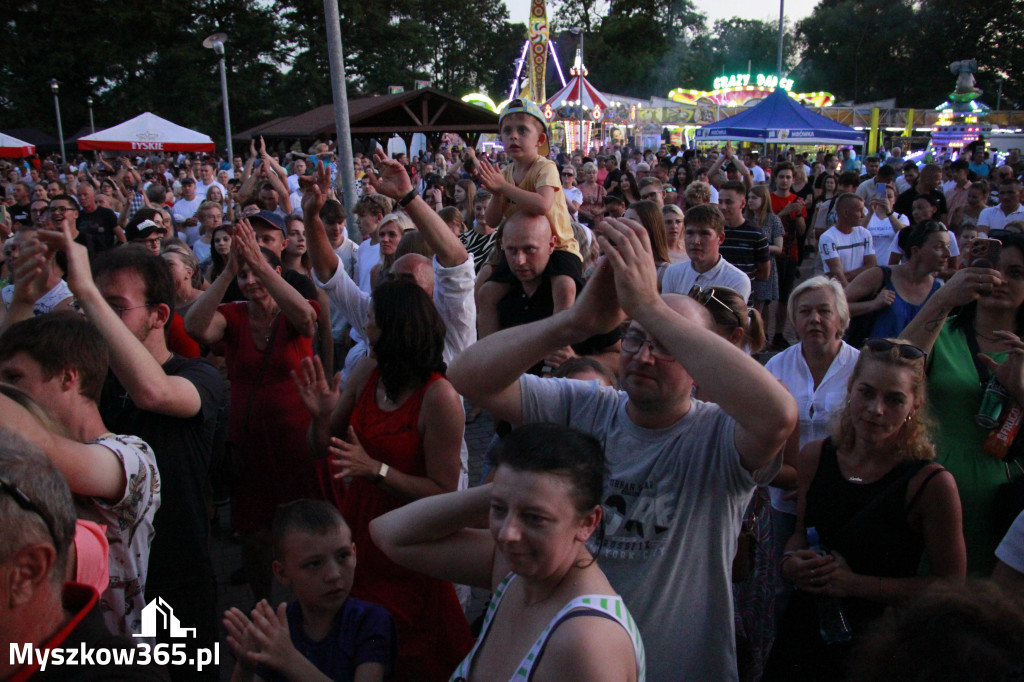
[[737, 43], [859, 49]]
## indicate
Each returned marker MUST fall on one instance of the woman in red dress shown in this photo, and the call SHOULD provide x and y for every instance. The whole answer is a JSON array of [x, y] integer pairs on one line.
[[402, 424], [266, 337]]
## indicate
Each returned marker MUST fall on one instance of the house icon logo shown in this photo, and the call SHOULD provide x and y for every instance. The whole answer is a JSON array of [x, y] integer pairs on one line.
[[158, 615]]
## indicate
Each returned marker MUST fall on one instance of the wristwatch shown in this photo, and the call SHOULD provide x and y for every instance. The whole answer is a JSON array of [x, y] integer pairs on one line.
[[381, 473]]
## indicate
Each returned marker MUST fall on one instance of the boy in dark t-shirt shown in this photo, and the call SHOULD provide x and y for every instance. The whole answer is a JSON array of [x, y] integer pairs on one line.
[[324, 632]]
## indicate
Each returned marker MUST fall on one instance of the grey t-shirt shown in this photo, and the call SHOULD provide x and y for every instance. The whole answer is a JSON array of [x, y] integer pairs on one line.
[[674, 501]]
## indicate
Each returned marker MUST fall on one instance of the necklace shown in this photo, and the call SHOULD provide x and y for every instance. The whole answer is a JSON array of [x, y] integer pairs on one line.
[[262, 330], [990, 339]]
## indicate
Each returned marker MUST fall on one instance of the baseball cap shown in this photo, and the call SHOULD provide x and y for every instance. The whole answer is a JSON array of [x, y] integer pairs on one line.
[[142, 230], [272, 220], [525, 106]]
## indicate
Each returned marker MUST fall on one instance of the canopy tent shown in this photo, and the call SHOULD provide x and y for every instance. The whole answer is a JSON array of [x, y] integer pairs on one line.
[[13, 148], [147, 132], [578, 88], [779, 119]]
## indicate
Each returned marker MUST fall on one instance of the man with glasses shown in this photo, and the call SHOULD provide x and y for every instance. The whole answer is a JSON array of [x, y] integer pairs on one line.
[[61, 361], [681, 471], [37, 606], [1008, 209], [652, 189]]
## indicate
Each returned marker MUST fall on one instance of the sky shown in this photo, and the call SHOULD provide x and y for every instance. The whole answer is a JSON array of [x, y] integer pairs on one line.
[[713, 9]]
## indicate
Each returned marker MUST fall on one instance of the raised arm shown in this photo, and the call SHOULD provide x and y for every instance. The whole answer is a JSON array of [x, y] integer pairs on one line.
[[965, 286], [393, 181], [294, 307], [132, 363], [315, 190], [442, 536], [488, 371], [764, 411], [91, 470], [204, 322]]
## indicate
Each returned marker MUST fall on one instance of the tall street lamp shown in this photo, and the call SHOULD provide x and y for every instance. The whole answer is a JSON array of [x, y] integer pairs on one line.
[[216, 43], [55, 88], [92, 124]]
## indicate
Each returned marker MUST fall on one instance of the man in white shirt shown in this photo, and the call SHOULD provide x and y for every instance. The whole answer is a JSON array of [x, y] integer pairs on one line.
[[449, 279], [846, 249], [208, 179], [1008, 210], [704, 233], [184, 209], [299, 168]]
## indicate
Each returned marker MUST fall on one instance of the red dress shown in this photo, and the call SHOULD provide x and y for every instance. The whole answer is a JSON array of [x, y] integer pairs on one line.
[[278, 467], [433, 635]]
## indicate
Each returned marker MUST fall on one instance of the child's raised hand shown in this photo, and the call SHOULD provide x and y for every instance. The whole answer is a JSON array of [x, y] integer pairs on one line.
[[490, 176]]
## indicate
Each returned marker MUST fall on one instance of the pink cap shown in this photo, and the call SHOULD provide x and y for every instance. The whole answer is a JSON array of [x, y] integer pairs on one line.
[[92, 548]]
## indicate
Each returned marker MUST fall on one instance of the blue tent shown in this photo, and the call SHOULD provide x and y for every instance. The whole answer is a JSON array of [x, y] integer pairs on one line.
[[779, 119]]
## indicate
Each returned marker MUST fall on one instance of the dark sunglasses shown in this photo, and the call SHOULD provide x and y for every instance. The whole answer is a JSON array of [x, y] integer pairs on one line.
[[26, 503], [707, 296], [907, 351]]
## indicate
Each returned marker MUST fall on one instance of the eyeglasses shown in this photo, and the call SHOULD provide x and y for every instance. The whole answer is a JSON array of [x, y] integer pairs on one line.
[[632, 343], [26, 503], [706, 296], [121, 311], [907, 351], [59, 210]]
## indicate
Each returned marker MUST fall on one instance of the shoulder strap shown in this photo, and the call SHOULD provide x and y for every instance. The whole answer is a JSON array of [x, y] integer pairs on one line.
[[920, 488], [586, 611]]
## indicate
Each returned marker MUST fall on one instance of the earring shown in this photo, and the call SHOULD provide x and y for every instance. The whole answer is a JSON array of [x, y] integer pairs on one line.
[[909, 417]]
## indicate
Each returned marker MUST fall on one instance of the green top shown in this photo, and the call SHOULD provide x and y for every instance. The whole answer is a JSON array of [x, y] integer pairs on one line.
[[954, 395]]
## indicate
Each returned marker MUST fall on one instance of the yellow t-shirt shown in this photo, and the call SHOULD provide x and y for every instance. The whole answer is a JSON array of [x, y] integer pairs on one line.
[[544, 173]]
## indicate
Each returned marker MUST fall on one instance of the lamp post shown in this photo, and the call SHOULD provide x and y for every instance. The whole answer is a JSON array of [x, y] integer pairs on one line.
[[92, 124], [55, 88], [215, 42]]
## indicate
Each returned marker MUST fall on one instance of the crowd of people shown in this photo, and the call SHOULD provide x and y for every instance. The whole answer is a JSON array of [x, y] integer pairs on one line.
[[755, 417]]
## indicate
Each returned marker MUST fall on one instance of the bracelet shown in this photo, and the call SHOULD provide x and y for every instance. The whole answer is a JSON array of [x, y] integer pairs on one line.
[[381, 473], [407, 199]]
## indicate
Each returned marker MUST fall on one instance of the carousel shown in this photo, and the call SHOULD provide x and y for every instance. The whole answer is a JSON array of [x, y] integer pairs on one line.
[[580, 107]]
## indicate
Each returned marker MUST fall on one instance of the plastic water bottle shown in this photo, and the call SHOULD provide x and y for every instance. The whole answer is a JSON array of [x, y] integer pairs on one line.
[[832, 622]]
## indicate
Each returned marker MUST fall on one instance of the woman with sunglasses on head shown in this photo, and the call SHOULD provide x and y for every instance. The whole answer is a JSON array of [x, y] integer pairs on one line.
[[895, 295], [980, 342], [753, 571], [553, 614], [879, 503]]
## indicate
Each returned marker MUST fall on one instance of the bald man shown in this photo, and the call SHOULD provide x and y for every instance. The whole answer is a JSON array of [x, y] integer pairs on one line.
[[680, 470]]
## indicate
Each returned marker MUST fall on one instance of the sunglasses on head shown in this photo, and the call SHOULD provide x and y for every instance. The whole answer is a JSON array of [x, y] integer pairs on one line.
[[707, 296], [26, 503], [907, 351]]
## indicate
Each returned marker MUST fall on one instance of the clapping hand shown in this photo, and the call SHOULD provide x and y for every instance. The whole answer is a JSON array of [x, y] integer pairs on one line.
[[318, 393], [350, 457]]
